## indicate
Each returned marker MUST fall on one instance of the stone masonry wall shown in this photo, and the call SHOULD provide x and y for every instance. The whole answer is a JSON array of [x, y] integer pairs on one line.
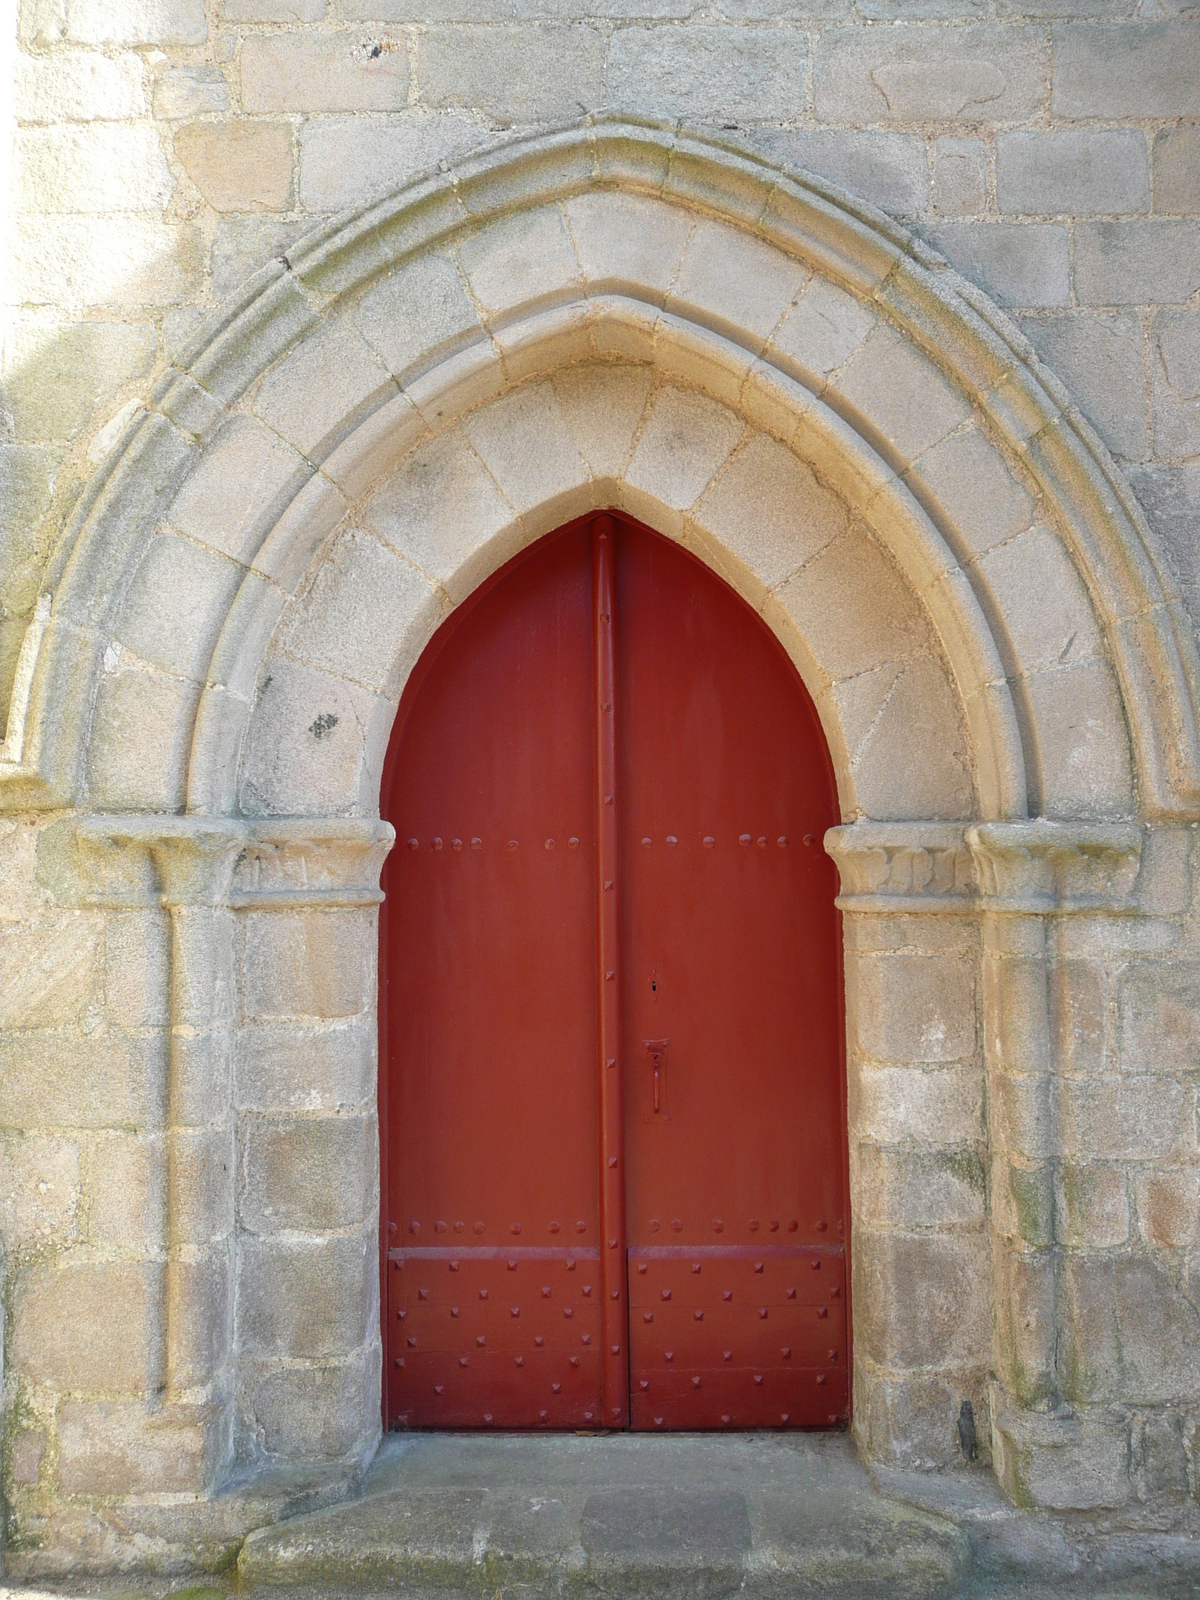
[[168, 147]]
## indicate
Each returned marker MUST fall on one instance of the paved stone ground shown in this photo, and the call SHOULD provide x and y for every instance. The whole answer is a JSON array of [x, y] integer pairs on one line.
[[686, 1516]]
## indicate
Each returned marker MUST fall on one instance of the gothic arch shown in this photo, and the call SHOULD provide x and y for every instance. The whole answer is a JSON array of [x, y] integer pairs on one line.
[[812, 346]]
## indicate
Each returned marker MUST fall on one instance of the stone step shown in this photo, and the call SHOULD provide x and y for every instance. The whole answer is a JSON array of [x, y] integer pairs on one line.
[[690, 1515]]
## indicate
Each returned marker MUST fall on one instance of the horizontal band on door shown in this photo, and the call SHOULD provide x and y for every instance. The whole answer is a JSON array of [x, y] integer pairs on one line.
[[471, 1253], [734, 1252]]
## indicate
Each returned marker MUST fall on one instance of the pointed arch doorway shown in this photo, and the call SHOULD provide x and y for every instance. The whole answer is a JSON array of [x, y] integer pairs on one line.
[[614, 1186]]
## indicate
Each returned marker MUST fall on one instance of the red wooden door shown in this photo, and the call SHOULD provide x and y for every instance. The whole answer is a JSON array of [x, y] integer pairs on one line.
[[609, 789]]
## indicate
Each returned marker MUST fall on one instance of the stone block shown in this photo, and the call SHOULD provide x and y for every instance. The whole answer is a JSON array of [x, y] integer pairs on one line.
[[307, 1174], [910, 1189], [900, 395], [1098, 355], [176, 605], [27, 1451], [852, 607], [1160, 1016], [440, 510], [913, 1421], [1044, 174], [908, 1007], [87, 1326], [821, 331], [419, 309], [238, 166], [1126, 1119], [1175, 382], [161, 22], [73, 262], [306, 748], [1018, 264], [1131, 1334], [343, 71], [935, 1106], [1168, 1207], [1130, 69], [305, 1067], [959, 176], [734, 281], [512, 74], [346, 161], [1085, 767], [306, 1298], [888, 782], [244, 243], [137, 760], [80, 1080], [525, 259], [78, 86], [111, 1447], [1170, 497], [979, 495], [135, 969], [366, 616], [1137, 262], [98, 167], [524, 442], [768, 512], [1046, 609], [906, 74], [890, 170], [603, 407], [26, 486], [1175, 165], [709, 72], [1060, 1463], [1079, 1006], [39, 1192], [125, 1187], [315, 396], [240, 488], [684, 443], [55, 376], [190, 91], [308, 963], [282, 11], [625, 240], [315, 1413], [922, 1301], [49, 970], [202, 1292], [1092, 1205]]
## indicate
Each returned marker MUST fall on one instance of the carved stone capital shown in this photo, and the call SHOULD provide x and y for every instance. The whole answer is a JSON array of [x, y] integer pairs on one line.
[[895, 867], [167, 861], [1061, 868]]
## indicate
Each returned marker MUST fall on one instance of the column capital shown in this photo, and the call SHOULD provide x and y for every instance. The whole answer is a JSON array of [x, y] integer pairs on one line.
[[1056, 868], [889, 868]]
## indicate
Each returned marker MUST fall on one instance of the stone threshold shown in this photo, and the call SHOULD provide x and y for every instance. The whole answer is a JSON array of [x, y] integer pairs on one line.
[[684, 1517]]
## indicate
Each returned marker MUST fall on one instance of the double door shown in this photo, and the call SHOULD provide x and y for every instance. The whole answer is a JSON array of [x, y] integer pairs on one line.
[[610, 1085]]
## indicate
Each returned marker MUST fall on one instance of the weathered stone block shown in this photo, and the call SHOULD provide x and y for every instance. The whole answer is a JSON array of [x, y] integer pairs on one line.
[[734, 280], [524, 442], [50, 970], [603, 407], [190, 91], [1047, 610], [87, 1326], [1092, 1205], [1131, 1119], [1168, 1207], [822, 330], [125, 1188], [1131, 1335], [959, 176], [1042, 174], [1061, 1463], [525, 259], [933, 1105], [108, 1447], [913, 1421], [214, 505], [39, 1192], [1176, 167], [142, 730], [891, 170], [176, 605], [710, 73], [306, 1174], [72, 262], [513, 74], [918, 1189], [80, 1080], [420, 308], [1136, 262], [162, 22], [91, 168], [922, 1301], [923, 74], [1094, 353], [324, 72], [308, 963], [852, 607], [908, 1007], [306, 1298], [307, 744], [888, 783], [305, 1067], [1130, 69], [346, 161], [1160, 1016], [315, 1413], [1018, 264], [314, 397], [684, 442], [286, 10], [135, 969], [54, 377], [900, 394], [78, 86], [1170, 497], [979, 492], [239, 166], [1175, 382]]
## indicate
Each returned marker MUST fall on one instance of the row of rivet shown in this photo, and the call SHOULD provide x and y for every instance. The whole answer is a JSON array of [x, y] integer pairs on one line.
[[708, 840], [718, 1226]]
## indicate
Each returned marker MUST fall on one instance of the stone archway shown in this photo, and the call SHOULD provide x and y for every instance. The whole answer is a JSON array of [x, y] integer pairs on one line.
[[862, 445]]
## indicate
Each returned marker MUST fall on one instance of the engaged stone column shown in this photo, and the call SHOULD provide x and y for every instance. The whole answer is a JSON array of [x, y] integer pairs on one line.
[[1033, 876]]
